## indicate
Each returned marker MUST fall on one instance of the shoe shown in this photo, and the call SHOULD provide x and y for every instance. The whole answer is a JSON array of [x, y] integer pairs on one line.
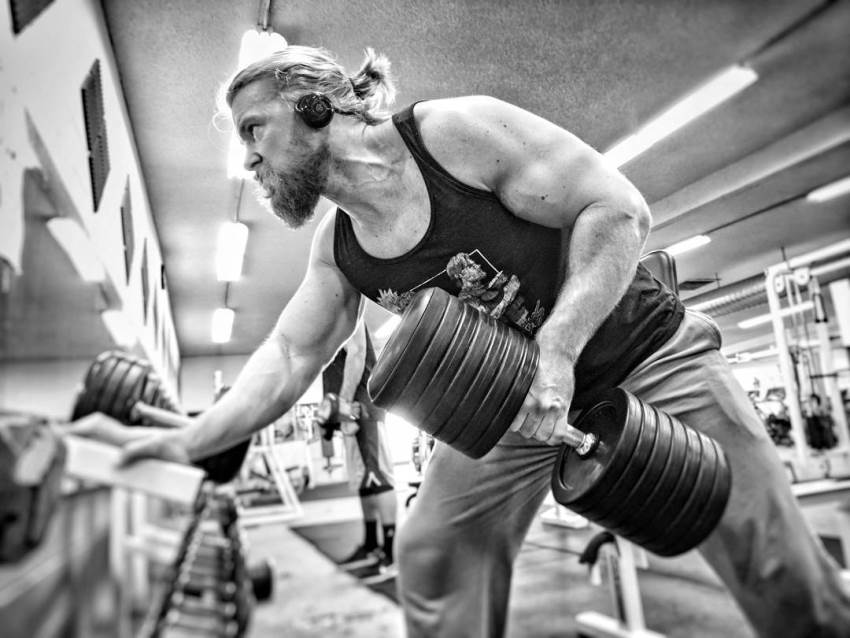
[[384, 570], [361, 558]]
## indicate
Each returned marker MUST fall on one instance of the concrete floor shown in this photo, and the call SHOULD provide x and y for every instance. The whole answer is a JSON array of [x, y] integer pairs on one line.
[[681, 597]]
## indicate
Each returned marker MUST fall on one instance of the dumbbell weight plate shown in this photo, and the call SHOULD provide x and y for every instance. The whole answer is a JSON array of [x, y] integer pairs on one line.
[[511, 384], [611, 502], [388, 384], [434, 392], [261, 576], [664, 484], [646, 481], [460, 430], [656, 524], [459, 371], [575, 481], [130, 392], [699, 526], [107, 393], [423, 373], [97, 373], [396, 348]]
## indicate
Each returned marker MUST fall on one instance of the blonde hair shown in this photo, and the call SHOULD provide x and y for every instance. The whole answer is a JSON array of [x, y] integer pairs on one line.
[[299, 70]]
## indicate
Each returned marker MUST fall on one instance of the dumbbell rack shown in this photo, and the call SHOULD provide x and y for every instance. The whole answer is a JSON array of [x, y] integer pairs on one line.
[[206, 590]]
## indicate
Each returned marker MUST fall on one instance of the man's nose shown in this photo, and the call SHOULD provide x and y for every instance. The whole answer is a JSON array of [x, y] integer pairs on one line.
[[252, 159]]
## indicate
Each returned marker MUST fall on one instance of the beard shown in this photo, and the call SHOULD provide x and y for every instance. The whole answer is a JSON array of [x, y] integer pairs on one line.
[[293, 195]]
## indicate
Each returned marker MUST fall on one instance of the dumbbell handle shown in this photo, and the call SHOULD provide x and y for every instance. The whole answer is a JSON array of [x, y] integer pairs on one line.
[[160, 417], [584, 443]]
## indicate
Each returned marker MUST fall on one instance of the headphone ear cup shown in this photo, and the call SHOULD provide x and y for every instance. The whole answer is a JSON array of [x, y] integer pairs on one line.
[[315, 109]]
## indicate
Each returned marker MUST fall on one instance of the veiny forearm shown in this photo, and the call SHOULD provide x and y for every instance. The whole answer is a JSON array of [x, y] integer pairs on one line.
[[604, 247], [271, 382]]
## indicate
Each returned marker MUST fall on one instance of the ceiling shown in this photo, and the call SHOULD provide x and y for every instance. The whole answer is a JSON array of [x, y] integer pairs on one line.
[[599, 68]]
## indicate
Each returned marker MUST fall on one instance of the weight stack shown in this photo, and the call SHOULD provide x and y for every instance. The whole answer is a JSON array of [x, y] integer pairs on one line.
[[652, 480], [454, 372]]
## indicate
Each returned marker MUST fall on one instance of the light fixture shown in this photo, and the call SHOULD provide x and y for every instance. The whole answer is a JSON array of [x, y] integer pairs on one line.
[[222, 325], [119, 327], [688, 244], [717, 90], [830, 191], [230, 252], [255, 45], [767, 318], [76, 243]]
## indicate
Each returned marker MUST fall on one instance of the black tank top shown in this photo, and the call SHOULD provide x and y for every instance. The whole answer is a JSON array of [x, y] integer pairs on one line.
[[510, 268], [332, 381]]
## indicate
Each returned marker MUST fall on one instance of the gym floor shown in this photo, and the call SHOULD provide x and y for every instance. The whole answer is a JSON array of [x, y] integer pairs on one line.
[[681, 597]]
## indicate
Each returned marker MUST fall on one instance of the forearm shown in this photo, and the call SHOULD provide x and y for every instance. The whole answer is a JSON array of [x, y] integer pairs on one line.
[[605, 245], [271, 382]]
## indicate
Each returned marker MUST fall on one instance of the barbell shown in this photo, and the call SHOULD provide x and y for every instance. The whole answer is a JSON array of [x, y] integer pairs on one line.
[[127, 389], [462, 376]]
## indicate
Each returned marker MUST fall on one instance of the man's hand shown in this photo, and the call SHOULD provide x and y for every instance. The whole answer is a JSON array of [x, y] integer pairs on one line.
[[103, 428], [136, 442], [543, 415], [166, 446]]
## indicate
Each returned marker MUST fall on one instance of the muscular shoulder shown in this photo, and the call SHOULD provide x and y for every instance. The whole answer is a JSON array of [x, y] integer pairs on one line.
[[479, 138], [322, 250]]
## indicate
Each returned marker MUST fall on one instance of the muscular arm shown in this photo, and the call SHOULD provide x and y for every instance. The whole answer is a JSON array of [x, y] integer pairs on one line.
[[318, 318], [548, 176]]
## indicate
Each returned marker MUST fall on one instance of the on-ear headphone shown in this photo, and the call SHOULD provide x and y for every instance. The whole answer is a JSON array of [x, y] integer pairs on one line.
[[315, 109]]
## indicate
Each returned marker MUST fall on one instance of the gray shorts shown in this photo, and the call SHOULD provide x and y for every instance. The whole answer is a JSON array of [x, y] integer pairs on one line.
[[457, 547]]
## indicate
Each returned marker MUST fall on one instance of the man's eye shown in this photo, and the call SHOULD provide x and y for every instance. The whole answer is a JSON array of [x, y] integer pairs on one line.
[[252, 132]]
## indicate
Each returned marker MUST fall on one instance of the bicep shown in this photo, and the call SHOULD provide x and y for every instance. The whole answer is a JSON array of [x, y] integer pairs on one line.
[[321, 314]]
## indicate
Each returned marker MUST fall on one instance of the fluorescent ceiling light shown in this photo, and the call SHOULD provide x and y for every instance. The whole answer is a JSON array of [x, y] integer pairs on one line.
[[386, 329], [717, 90], [830, 191], [688, 244], [119, 327], [222, 325], [255, 45], [232, 240], [767, 318], [78, 246]]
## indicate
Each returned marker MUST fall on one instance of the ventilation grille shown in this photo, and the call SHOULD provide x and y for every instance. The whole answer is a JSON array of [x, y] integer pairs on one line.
[[127, 231], [25, 11], [95, 132], [145, 282]]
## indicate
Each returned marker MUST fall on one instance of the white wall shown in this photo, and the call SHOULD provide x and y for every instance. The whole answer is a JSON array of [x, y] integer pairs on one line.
[[42, 73], [46, 388]]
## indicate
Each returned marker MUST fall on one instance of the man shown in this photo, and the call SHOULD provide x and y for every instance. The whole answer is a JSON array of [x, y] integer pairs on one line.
[[367, 457], [475, 175]]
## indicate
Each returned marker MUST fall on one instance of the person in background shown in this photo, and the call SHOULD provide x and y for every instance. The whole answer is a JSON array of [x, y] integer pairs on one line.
[[367, 456]]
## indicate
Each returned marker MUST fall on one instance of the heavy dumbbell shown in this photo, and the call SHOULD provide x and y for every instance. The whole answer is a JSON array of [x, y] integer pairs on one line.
[[462, 377], [127, 389]]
